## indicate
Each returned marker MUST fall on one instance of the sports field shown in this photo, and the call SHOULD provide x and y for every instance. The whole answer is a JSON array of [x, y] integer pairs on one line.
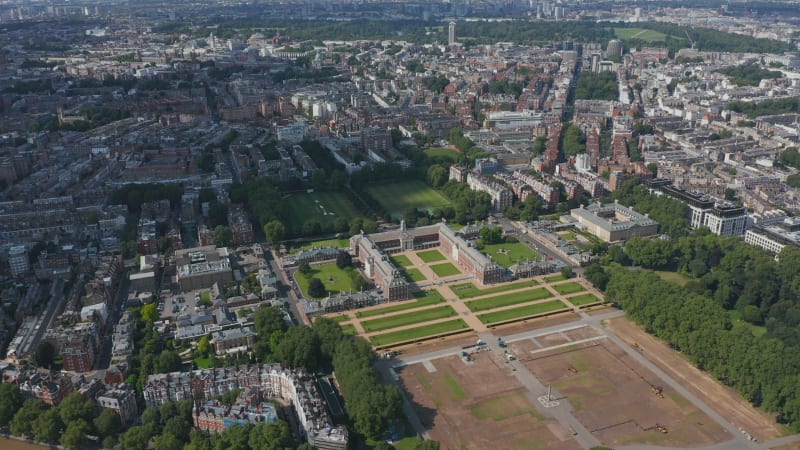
[[418, 332], [445, 270], [508, 299], [640, 33], [335, 279], [322, 206], [401, 320], [396, 198], [430, 256], [569, 288], [509, 254], [523, 311], [424, 298], [469, 290]]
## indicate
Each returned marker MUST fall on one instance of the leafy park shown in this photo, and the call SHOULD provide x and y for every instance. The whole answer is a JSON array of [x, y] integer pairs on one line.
[[331, 279], [396, 198]]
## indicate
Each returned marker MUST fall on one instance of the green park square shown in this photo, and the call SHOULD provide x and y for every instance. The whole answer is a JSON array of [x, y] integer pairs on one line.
[[336, 280], [401, 261], [509, 254], [445, 270]]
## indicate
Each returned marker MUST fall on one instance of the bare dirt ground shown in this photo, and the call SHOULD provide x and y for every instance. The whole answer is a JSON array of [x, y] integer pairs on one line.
[[458, 340], [612, 396], [724, 400], [479, 406]]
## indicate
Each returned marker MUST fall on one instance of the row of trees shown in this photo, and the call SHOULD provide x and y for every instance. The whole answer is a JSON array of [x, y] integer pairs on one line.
[[671, 214], [371, 406], [763, 368]]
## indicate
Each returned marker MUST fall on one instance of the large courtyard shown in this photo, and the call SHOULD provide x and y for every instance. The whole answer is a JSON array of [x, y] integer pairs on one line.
[[398, 197], [471, 307]]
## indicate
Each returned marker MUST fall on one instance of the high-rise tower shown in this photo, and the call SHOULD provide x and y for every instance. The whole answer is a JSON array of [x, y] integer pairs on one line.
[[451, 34]]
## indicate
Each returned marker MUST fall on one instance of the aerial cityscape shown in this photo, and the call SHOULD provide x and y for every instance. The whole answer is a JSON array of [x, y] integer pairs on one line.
[[464, 224]]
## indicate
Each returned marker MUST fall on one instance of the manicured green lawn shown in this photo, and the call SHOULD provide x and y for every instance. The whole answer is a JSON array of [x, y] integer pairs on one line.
[[203, 363], [509, 254], [445, 270], [349, 329], [322, 206], [414, 275], [402, 320], [448, 153], [424, 298], [553, 278], [335, 279], [569, 288], [338, 243], [418, 332], [585, 299], [340, 318], [524, 311], [396, 198], [469, 290], [508, 299], [401, 261], [430, 256]]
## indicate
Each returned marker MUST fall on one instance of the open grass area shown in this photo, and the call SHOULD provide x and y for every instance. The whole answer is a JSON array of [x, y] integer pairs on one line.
[[673, 277], [338, 243], [569, 288], [335, 279], [401, 261], [430, 256], [585, 299], [524, 311], [554, 278], [469, 290], [448, 153], [349, 329], [414, 275], [340, 318], [436, 329], [203, 363], [508, 299], [737, 321], [640, 33], [411, 318], [396, 198], [445, 270], [322, 206], [509, 254], [424, 298]]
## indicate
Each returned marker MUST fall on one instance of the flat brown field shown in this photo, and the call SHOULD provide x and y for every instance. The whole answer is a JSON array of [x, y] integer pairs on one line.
[[611, 396], [479, 406], [726, 401]]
